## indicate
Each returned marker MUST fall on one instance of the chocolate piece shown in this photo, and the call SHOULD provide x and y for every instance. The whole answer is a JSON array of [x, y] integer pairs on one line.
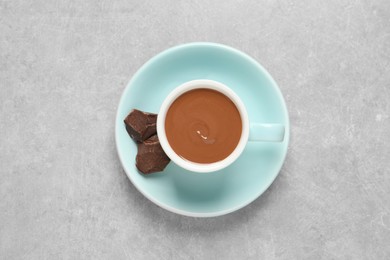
[[151, 157], [141, 125]]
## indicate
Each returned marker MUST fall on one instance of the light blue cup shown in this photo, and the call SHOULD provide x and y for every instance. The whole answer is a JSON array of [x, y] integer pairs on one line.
[[259, 132], [227, 190]]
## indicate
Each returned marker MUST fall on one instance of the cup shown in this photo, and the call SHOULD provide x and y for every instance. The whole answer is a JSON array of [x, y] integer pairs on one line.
[[251, 131]]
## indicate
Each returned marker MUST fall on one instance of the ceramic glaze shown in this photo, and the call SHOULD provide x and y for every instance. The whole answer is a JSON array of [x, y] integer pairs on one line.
[[220, 192]]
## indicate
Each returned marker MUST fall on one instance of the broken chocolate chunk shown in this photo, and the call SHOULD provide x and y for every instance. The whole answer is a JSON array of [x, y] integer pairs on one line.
[[151, 157], [141, 125]]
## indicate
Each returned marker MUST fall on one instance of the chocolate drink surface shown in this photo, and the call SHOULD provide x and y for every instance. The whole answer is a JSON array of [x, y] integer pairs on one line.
[[203, 126]]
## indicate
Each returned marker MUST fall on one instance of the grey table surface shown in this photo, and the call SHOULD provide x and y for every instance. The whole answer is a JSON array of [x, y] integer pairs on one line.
[[64, 65]]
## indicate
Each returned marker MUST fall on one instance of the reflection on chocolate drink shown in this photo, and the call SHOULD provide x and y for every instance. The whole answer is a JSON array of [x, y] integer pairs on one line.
[[203, 126]]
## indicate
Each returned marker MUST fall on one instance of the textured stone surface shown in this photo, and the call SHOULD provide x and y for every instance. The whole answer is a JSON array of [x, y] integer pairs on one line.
[[64, 65]]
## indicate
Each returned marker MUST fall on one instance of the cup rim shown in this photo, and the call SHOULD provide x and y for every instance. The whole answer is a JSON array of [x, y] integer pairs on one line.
[[201, 84]]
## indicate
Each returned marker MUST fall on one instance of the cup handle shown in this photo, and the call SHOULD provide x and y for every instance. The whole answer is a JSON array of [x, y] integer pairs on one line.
[[266, 132]]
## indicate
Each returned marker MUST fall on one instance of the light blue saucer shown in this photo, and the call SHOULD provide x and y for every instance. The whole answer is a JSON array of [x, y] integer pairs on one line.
[[205, 194]]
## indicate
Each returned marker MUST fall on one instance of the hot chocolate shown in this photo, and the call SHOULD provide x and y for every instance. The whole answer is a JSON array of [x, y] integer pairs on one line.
[[203, 126]]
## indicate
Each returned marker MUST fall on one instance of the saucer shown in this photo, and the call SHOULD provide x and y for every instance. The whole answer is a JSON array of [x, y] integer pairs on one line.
[[205, 194]]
